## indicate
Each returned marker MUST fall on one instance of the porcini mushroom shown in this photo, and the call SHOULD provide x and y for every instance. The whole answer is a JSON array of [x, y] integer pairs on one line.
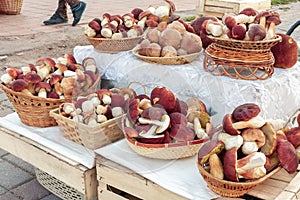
[[161, 125]]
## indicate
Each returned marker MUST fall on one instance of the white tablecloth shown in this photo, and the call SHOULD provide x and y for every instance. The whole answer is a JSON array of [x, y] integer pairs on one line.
[[52, 138], [179, 176], [278, 96]]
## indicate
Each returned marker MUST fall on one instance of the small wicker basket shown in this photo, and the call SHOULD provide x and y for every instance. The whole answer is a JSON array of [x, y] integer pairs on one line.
[[33, 110], [10, 7], [232, 189], [257, 46], [105, 45], [178, 60], [92, 137]]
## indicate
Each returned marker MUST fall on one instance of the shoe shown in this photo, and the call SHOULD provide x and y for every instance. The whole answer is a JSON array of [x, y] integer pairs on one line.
[[55, 19], [77, 12]]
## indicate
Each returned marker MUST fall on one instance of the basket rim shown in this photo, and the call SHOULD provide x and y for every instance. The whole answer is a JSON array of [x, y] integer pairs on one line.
[[8, 90], [246, 183], [109, 39], [166, 145], [277, 38]]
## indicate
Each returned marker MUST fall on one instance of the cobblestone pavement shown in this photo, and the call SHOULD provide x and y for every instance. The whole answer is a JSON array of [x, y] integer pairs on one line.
[[17, 178]]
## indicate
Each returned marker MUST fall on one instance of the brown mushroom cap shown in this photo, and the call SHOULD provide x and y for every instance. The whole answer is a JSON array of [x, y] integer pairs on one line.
[[170, 37], [245, 112], [227, 125], [94, 25], [208, 148], [194, 103], [249, 12], [144, 14], [164, 97], [45, 85], [238, 32], [153, 50], [18, 85], [285, 52], [117, 100], [181, 107], [153, 113], [230, 164], [13, 72], [229, 21], [136, 12], [254, 135], [256, 32], [293, 136], [32, 77], [132, 109], [270, 145], [273, 19], [181, 133], [55, 79], [178, 118], [287, 156], [52, 95]]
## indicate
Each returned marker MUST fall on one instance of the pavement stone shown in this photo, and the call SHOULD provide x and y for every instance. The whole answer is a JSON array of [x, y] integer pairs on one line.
[[51, 197], [19, 163], [12, 176], [2, 152], [2, 190]]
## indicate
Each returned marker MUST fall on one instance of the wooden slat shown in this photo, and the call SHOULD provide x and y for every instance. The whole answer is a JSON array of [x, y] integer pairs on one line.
[[31, 152]]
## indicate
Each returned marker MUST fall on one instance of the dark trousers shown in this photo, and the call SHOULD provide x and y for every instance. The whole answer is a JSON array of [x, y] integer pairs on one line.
[[62, 7]]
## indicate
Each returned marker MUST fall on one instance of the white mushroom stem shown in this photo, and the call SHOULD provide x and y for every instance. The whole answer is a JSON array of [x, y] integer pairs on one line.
[[255, 122], [231, 141], [101, 118], [150, 132], [256, 159], [117, 111], [6, 78], [199, 131], [249, 147], [42, 93], [26, 91], [25, 70], [162, 125], [100, 109], [271, 31], [68, 108], [106, 99]]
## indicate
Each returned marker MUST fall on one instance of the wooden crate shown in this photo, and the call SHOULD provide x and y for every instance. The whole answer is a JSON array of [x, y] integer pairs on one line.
[[120, 183], [58, 167], [219, 7]]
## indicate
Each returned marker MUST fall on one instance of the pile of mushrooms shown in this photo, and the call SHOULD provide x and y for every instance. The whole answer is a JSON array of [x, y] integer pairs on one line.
[[169, 40], [131, 24], [249, 25], [248, 146], [53, 78], [99, 106], [162, 118]]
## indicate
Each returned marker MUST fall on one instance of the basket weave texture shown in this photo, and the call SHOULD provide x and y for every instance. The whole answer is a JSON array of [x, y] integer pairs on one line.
[[106, 45], [178, 60], [57, 187], [257, 46], [92, 137], [10, 7], [229, 188], [33, 110], [238, 64], [166, 151]]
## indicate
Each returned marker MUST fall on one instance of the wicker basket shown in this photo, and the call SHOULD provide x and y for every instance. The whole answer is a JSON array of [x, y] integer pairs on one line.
[[57, 187], [238, 64], [105, 45], [166, 151], [229, 188], [178, 60], [257, 46], [92, 137], [33, 110], [10, 7]]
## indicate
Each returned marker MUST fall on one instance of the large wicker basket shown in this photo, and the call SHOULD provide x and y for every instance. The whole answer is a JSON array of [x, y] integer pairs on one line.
[[232, 189], [177, 60], [106, 45], [10, 7], [33, 110], [92, 137]]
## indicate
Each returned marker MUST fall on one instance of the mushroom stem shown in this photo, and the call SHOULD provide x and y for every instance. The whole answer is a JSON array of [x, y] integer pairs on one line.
[[42, 93], [162, 125], [271, 31], [255, 122], [199, 131]]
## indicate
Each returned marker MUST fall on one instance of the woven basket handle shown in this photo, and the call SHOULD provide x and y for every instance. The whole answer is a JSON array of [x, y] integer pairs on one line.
[[292, 119], [138, 83]]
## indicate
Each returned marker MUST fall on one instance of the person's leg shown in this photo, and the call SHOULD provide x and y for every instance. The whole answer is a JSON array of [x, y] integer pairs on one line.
[[60, 15], [77, 8]]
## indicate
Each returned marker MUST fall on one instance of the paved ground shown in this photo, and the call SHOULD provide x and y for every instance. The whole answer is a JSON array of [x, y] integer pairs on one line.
[[24, 35]]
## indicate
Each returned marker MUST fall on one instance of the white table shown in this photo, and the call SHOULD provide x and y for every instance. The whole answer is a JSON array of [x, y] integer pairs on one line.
[[278, 96]]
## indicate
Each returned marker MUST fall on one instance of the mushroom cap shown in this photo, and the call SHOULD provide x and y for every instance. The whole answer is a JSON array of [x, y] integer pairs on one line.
[[32, 77], [285, 52], [238, 32], [170, 37], [178, 118], [195, 103], [117, 100], [153, 35], [131, 132], [70, 59], [229, 21], [228, 125], [230, 164], [181, 133], [18, 85], [149, 138], [168, 51], [293, 136], [256, 32], [144, 14], [249, 12], [164, 97], [106, 15], [262, 14], [136, 12], [254, 135], [191, 43], [94, 25], [45, 62], [153, 50], [197, 23], [103, 92], [203, 117], [13, 72], [273, 19], [287, 156], [181, 107], [132, 109], [52, 95], [129, 92], [153, 113], [40, 85], [246, 111], [55, 79], [208, 148]]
